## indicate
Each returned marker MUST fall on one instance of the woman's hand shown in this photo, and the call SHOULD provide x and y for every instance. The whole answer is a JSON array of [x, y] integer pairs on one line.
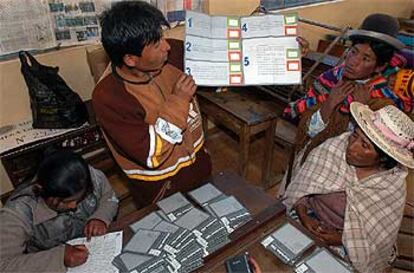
[[362, 93], [330, 236], [339, 92], [308, 222]]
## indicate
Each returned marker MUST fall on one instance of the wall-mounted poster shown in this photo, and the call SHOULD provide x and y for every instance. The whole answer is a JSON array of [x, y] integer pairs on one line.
[[43, 24]]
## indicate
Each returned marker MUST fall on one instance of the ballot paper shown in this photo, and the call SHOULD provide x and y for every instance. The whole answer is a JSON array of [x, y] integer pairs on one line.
[[179, 249], [206, 194], [154, 265], [148, 222], [174, 206], [248, 50], [322, 261], [288, 243], [129, 261], [102, 249], [146, 242], [210, 232], [230, 212]]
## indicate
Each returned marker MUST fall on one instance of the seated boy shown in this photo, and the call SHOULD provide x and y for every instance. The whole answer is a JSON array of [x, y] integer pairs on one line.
[[67, 199]]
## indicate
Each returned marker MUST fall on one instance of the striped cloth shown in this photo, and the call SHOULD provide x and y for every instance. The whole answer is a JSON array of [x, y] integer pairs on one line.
[[374, 205], [322, 86]]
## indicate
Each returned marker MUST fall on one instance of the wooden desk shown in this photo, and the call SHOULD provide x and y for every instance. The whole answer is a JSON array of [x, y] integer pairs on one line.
[[246, 112], [22, 162], [267, 213]]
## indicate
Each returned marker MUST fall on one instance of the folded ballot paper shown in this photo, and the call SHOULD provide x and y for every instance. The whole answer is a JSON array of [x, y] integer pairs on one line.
[[230, 212], [180, 245], [227, 208], [175, 238], [210, 232], [139, 263], [206, 195], [287, 243], [174, 206], [158, 238], [322, 261]]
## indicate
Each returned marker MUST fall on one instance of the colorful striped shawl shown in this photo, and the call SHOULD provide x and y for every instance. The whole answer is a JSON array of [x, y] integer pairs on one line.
[[322, 86]]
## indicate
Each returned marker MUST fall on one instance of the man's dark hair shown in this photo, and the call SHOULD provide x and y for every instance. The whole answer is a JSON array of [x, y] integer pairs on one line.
[[63, 174], [127, 27], [383, 51]]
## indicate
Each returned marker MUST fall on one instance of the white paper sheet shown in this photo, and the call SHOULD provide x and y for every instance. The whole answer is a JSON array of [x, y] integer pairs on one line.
[[102, 250], [254, 50]]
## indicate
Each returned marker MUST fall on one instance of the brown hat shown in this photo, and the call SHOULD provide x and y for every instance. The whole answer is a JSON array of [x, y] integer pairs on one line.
[[379, 27]]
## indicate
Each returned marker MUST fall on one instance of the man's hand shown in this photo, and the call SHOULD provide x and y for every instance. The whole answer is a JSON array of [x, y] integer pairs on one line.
[[303, 44], [185, 87], [339, 92], [75, 255], [361, 93], [94, 227]]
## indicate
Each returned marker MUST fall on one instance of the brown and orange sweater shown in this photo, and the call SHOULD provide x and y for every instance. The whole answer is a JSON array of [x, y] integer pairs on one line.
[[152, 133]]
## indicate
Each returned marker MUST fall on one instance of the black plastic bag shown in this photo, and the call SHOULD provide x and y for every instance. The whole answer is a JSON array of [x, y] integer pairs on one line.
[[54, 104]]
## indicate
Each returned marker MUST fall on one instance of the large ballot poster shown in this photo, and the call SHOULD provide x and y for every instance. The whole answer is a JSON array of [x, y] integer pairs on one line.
[[254, 50]]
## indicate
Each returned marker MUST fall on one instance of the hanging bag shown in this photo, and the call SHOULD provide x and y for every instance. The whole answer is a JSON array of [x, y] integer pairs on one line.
[[54, 104]]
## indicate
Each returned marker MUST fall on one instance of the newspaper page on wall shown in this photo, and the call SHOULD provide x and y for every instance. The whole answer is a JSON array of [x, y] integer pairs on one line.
[[174, 10], [254, 50], [24, 24], [76, 21], [43, 24]]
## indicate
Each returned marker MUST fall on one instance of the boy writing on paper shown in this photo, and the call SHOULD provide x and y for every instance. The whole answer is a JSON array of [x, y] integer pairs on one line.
[[67, 199]]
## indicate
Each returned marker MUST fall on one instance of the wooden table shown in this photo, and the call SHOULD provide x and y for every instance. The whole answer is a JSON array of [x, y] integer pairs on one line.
[[267, 213], [246, 112]]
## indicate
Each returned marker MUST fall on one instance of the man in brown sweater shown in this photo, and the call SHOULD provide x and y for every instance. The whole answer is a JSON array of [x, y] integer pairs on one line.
[[146, 108]]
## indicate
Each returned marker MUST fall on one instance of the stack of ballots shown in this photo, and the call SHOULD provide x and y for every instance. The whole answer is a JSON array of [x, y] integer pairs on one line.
[[176, 238], [211, 234], [158, 245], [226, 208]]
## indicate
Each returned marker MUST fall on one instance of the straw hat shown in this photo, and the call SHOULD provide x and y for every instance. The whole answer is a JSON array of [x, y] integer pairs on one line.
[[380, 27], [389, 128]]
